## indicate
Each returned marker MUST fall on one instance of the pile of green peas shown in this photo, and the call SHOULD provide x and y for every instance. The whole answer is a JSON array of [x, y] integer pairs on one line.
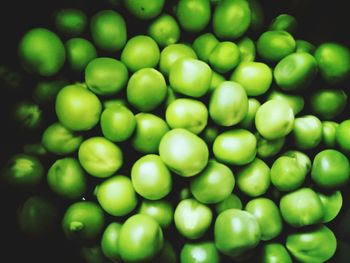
[[215, 144]]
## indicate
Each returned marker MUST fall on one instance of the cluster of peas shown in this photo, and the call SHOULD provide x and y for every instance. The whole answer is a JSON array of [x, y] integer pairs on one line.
[[165, 135]]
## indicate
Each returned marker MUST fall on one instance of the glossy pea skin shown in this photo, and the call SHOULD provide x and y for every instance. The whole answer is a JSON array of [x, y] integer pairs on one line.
[[140, 52], [235, 147], [100, 157], [140, 239], [275, 45], [209, 134], [146, 89], [317, 244], [193, 15], [204, 44], [304, 46], [149, 131], [160, 210], [77, 108], [228, 104], [183, 152], [269, 148], [117, 123], [186, 113], [213, 184], [200, 217], [71, 22], [164, 30], [268, 216], [302, 159], [231, 19], [333, 61], [108, 30], [284, 22], [67, 178], [109, 103], [201, 252], [329, 129], [232, 201], [144, 9], [255, 77], [167, 254], [307, 132], [301, 207], [59, 140], [27, 115], [296, 102], [253, 179], [295, 71], [330, 169], [42, 52], [247, 49], [342, 136], [109, 241], [79, 53], [248, 120], [224, 57], [332, 203], [274, 119], [275, 252], [236, 232]]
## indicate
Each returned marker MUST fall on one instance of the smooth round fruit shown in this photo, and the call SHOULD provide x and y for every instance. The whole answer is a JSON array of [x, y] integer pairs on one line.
[[201, 252], [160, 210], [232, 201], [269, 148], [342, 136], [193, 15], [332, 204], [249, 119], [296, 102], [204, 45], [247, 49], [144, 9], [307, 132], [284, 22], [79, 53], [224, 57], [109, 241], [27, 115], [70, 22], [329, 130], [275, 252], [164, 30]]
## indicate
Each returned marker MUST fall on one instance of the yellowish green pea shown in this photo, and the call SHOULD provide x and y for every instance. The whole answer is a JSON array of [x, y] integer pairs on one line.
[[199, 252], [232, 201], [216, 80], [79, 53], [204, 44], [209, 134], [144, 9], [224, 57], [269, 148], [275, 252], [332, 203], [164, 30], [160, 210], [193, 15], [307, 132], [296, 102], [284, 22], [329, 129], [247, 49], [109, 241], [248, 120]]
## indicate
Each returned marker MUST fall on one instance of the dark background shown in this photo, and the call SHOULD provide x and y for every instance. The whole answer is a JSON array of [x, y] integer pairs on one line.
[[318, 21]]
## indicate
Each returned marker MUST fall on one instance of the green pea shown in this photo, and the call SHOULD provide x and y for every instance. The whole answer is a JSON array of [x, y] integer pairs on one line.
[[149, 131], [216, 80], [209, 134], [200, 215], [235, 147], [269, 148], [71, 22], [79, 53], [46, 91], [317, 244], [253, 179], [304, 46], [171, 96], [167, 254], [140, 52], [236, 232], [109, 241], [92, 254], [247, 49], [302, 159], [224, 57], [144, 9], [193, 15], [140, 239], [108, 30], [110, 103], [190, 77], [100, 157], [330, 169], [342, 136], [334, 62], [232, 201], [284, 22], [307, 132], [257, 16], [255, 77], [332, 203], [36, 149], [116, 195], [231, 19], [248, 120], [329, 129], [274, 119], [301, 207], [204, 45], [213, 184], [67, 179], [77, 108], [27, 115], [164, 30], [146, 89], [275, 45], [296, 102], [201, 252], [83, 221], [160, 210], [295, 71], [59, 140], [42, 52], [275, 252]]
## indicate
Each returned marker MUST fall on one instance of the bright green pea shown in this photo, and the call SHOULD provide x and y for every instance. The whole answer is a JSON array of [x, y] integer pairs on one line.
[[160, 210], [216, 80], [200, 215], [247, 49], [201, 252], [275, 252], [42, 52], [164, 30], [235, 147], [296, 102], [301, 207], [79, 53], [274, 119], [59, 140], [46, 91], [302, 159], [27, 115], [140, 52], [36, 149], [232, 201], [116, 195], [167, 254], [110, 103], [149, 131], [71, 22], [255, 77], [342, 136], [329, 129], [284, 22], [209, 134], [332, 203], [144, 9], [275, 45], [92, 254], [269, 148], [307, 132], [248, 120], [109, 241], [193, 15], [231, 19], [108, 30], [224, 57], [146, 89], [257, 16], [100, 157], [317, 244], [204, 45], [304, 46], [171, 96]]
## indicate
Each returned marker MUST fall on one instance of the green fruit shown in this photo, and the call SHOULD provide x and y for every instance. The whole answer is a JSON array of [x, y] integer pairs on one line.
[[201, 252], [329, 130], [342, 136], [304, 46], [144, 9], [224, 57], [247, 49], [296, 102], [269, 148], [27, 115], [109, 241], [307, 132], [232, 201], [275, 252], [164, 30], [193, 15], [249, 119], [71, 22], [79, 53], [332, 203], [160, 210], [284, 22], [204, 45]]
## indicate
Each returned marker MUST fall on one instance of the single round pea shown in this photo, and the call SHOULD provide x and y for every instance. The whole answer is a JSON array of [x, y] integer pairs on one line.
[[109, 103], [67, 179], [224, 57], [304, 46], [332, 203], [254, 178], [149, 130], [160, 210], [296, 102], [116, 195], [144, 9], [231, 19], [274, 119], [109, 241], [45, 92], [248, 120], [200, 215], [247, 49], [301, 207], [307, 132], [255, 77], [342, 136], [275, 45], [77, 108], [284, 22], [302, 159], [204, 44], [42, 52], [108, 30], [275, 252], [193, 15], [146, 89], [330, 169], [232, 201], [71, 22], [329, 129], [27, 115], [79, 53], [100, 157], [201, 252], [235, 147], [140, 52], [269, 148], [164, 30]]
